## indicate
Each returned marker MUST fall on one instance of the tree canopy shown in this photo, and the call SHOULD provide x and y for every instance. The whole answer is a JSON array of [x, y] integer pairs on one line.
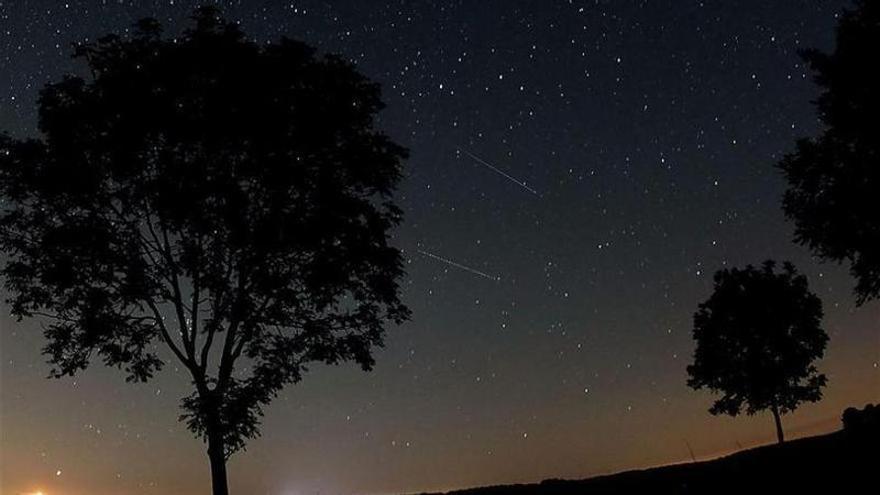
[[833, 179], [757, 337], [230, 199]]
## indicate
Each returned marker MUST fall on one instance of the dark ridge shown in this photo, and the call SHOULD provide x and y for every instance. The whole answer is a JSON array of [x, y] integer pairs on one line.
[[846, 461]]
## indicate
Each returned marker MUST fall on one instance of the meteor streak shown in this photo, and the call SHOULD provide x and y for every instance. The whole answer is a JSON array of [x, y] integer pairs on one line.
[[500, 172], [458, 265]]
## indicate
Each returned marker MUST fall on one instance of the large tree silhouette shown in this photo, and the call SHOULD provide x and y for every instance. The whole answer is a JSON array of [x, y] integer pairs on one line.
[[756, 339], [228, 199], [834, 178]]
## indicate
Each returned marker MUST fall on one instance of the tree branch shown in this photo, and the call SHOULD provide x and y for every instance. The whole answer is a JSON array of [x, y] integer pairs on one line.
[[226, 358], [176, 350], [194, 305], [219, 302], [244, 340]]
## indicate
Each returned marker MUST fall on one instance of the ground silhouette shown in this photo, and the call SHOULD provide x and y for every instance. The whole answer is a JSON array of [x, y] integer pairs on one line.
[[845, 461]]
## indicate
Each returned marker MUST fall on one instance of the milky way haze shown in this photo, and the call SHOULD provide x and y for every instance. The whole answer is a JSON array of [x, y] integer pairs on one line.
[[578, 171]]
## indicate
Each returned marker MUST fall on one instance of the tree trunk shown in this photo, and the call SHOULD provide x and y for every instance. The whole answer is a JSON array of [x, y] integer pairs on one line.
[[217, 457], [779, 435]]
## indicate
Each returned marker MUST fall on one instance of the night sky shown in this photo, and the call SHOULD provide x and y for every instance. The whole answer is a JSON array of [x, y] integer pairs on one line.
[[578, 171]]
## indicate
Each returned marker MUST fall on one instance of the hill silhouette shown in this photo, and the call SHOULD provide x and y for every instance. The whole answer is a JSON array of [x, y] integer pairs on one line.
[[845, 461]]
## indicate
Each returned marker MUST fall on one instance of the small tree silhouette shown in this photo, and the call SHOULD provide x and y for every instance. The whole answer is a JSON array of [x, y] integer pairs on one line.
[[228, 199], [833, 179], [756, 339]]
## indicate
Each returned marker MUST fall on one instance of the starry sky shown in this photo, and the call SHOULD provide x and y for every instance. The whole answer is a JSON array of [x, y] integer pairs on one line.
[[579, 169]]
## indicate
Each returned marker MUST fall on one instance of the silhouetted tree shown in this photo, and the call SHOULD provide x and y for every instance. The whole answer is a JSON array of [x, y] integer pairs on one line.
[[834, 178], [229, 199], [756, 339]]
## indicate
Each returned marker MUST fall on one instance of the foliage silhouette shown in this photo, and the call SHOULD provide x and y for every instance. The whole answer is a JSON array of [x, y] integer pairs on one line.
[[229, 199], [833, 179], [756, 339], [862, 422]]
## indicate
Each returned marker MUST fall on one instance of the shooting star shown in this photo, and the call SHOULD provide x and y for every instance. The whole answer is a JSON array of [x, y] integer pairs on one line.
[[458, 265], [500, 172]]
